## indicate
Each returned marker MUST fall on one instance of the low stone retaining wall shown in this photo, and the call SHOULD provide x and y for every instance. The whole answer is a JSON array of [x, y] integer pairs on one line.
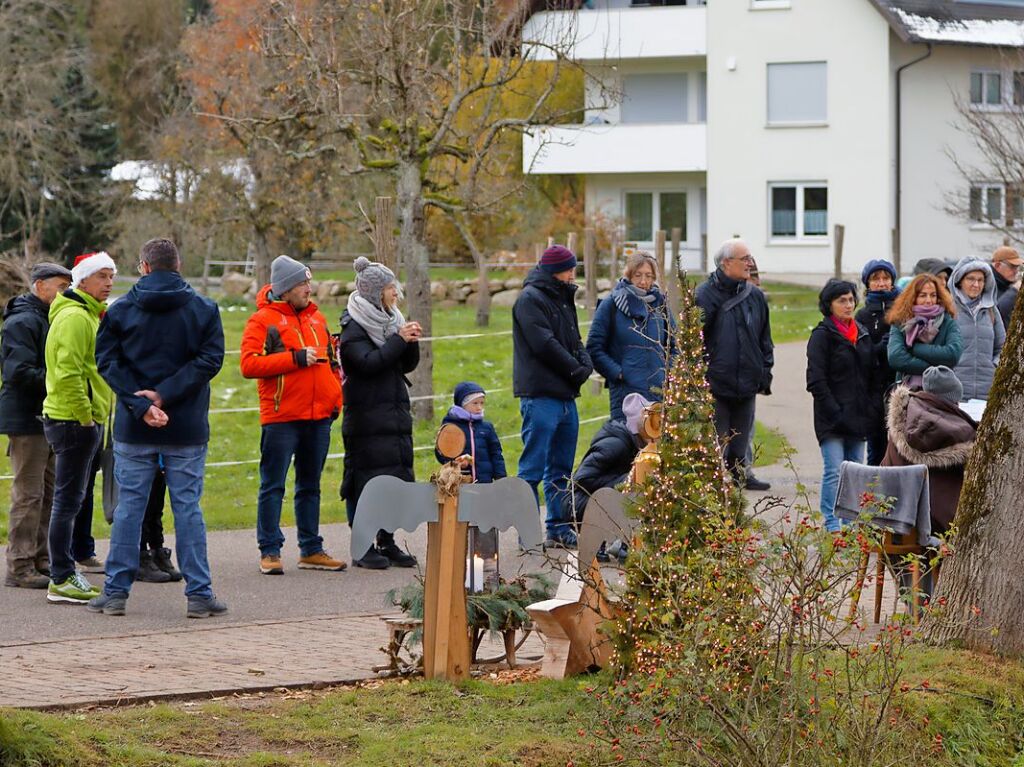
[[444, 292]]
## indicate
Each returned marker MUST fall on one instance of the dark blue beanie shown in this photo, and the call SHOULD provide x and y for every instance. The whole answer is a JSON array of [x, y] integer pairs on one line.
[[464, 389], [557, 259], [877, 265]]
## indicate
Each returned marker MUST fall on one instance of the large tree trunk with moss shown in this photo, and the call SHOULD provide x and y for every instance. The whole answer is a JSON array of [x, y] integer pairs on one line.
[[415, 255], [981, 584]]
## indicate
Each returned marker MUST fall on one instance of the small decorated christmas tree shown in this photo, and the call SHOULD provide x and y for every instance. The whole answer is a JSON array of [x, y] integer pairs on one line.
[[690, 514]]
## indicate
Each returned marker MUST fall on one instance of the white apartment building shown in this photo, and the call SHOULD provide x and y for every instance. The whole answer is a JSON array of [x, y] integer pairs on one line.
[[776, 120]]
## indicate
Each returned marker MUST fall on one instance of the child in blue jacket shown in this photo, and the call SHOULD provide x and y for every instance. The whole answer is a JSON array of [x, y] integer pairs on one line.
[[482, 441]]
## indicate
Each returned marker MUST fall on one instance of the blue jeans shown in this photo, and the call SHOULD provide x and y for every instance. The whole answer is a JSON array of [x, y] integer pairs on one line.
[[308, 442], [135, 466], [833, 452], [550, 430], [75, 448]]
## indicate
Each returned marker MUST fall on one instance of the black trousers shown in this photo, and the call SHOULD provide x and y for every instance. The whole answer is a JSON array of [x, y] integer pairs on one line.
[[734, 422], [153, 522]]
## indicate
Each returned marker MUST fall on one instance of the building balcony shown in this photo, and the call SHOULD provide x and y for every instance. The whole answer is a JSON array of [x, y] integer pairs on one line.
[[618, 33], [649, 148]]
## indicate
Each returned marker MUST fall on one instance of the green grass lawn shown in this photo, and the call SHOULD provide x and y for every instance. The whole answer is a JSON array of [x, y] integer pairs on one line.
[[975, 702], [230, 493]]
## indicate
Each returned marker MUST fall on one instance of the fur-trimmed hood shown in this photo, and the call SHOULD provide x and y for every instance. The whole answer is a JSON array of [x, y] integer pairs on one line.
[[929, 430]]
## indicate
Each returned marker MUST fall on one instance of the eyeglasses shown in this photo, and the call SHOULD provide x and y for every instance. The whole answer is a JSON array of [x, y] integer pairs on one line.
[[746, 259], [974, 280]]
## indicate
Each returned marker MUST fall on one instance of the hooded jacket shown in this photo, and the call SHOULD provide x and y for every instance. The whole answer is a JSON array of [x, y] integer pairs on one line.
[[629, 343], [273, 352], [23, 365], [840, 377], [926, 430], [606, 463], [481, 442], [549, 359], [872, 317], [981, 330], [737, 337], [75, 390], [165, 337]]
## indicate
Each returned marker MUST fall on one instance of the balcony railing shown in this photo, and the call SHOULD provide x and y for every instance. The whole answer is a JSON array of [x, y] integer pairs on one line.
[[623, 148]]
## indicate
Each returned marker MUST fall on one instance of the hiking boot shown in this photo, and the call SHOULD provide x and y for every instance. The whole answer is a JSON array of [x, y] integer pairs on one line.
[[27, 579], [43, 567], [162, 559], [373, 560], [205, 607], [74, 589], [271, 565], [108, 604], [753, 483], [563, 539], [148, 572], [90, 565], [321, 561], [395, 555]]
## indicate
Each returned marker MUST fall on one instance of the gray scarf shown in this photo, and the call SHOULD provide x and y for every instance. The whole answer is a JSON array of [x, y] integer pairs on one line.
[[379, 324]]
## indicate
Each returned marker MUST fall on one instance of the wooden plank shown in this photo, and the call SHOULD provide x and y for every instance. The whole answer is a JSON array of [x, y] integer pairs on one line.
[[447, 656]]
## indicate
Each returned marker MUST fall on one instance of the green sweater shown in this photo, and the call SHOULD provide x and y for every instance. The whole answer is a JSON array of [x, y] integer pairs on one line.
[[75, 391]]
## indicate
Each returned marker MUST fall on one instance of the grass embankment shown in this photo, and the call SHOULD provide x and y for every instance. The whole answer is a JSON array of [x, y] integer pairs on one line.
[[230, 492], [975, 703]]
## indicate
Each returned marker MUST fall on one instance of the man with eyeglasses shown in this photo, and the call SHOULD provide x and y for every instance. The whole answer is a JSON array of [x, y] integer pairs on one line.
[[739, 351], [1006, 267]]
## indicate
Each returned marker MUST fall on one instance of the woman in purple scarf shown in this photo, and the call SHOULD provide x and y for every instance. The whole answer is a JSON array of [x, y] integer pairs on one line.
[[923, 330]]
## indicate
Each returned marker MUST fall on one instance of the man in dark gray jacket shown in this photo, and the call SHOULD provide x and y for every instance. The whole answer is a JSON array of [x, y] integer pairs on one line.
[[739, 351], [23, 368]]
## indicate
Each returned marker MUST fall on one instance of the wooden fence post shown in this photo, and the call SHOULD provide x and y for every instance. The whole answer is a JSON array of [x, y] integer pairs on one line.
[[590, 273], [614, 266], [384, 247], [840, 232], [572, 241], [674, 292], [659, 255]]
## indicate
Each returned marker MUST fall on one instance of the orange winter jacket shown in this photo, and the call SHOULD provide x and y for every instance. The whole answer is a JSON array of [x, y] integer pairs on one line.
[[271, 344]]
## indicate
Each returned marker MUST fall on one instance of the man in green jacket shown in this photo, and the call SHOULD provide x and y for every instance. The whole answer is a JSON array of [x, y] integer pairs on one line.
[[78, 403]]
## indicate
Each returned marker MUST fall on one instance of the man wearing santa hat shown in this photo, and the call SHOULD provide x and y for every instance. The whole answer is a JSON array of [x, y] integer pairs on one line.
[[77, 404]]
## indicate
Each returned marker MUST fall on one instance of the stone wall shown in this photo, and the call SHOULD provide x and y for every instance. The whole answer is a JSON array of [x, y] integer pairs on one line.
[[444, 292]]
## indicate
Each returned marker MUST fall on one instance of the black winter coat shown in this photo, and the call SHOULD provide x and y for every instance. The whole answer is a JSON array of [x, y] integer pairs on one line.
[[484, 446], [872, 317], [376, 423], [841, 379], [165, 337], [1006, 303], [549, 358], [737, 337], [22, 365], [606, 463]]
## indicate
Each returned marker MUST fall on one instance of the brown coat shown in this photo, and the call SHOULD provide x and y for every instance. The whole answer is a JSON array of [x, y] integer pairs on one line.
[[925, 429]]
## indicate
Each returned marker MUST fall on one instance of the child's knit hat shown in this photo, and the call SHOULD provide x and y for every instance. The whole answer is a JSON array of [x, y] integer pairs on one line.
[[466, 392]]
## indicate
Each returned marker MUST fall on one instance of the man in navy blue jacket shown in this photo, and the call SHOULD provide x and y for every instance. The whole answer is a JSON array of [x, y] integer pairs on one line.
[[739, 351], [158, 348]]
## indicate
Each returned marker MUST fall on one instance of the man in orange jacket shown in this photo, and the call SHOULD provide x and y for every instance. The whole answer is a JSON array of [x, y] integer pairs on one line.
[[286, 346]]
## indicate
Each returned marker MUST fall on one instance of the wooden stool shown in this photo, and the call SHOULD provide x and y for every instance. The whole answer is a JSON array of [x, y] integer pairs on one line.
[[399, 627], [884, 551]]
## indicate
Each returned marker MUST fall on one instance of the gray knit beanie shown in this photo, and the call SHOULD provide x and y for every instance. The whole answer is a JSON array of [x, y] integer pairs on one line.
[[286, 273], [942, 382], [371, 279]]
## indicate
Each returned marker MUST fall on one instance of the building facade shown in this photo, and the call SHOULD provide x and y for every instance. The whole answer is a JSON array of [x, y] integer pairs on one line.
[[777, 120]]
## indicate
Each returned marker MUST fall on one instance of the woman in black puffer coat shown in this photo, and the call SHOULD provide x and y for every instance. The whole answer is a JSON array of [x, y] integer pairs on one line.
[[841, 368], [378, 349]]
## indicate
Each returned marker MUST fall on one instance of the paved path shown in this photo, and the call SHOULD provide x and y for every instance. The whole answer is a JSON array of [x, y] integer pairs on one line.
[[298, 629]]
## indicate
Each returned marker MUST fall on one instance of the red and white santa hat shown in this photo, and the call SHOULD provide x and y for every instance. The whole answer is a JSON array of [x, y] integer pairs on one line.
[[88, 264]]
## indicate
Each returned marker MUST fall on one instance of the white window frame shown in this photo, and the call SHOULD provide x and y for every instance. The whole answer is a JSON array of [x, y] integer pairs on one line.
[[770, 5], [656, 212], [800, 237], [1006, 89], [985, 223], [775, 124]]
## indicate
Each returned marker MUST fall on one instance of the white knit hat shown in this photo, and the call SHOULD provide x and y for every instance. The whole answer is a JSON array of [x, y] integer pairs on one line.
[[90, 264]]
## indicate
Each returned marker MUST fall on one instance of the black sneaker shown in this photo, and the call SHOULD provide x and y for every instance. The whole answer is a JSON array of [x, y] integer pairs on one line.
[[162, 559], [396, 556], [562, 539], [148, 571], [753, 483], [373, 560], [205, 607]]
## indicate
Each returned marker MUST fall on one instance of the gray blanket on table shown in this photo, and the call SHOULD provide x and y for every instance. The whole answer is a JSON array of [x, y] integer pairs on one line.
[[906, 485]]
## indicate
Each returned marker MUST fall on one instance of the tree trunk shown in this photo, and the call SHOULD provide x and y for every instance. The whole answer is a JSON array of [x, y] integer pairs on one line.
[[261, 269], [981, 583], [415, 256], [483, 296]]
